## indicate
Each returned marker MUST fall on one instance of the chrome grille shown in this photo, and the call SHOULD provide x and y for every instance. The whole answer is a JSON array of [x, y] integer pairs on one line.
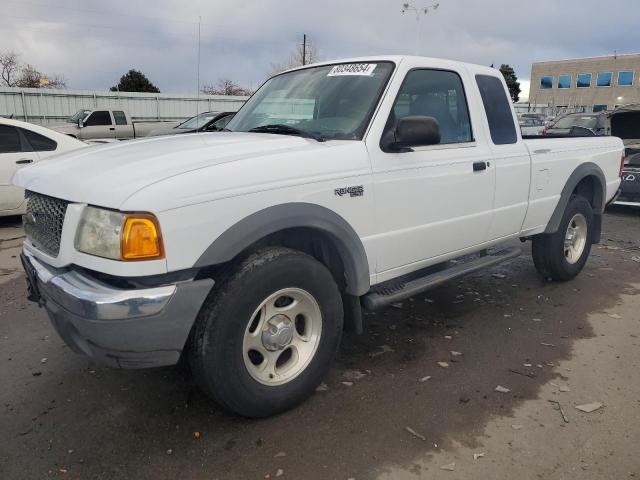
[[43, 221]]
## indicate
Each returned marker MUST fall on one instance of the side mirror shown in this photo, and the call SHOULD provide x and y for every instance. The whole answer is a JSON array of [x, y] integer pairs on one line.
[[412, 131], [80, 123]]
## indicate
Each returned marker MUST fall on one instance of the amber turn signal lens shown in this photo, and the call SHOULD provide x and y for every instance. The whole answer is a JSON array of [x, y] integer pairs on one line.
[[141, 238]]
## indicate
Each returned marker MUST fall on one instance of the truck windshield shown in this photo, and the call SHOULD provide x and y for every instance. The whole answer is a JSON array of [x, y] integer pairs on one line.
[[78, 115], [325, 102]]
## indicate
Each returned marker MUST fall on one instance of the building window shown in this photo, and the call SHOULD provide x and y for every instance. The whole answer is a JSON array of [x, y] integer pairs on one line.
[[599, 108], [546, 82], [604, 79], [584, 80], [625, 79], [564, 81]]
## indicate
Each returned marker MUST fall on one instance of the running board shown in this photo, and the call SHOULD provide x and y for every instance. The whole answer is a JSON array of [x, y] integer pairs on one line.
[[384, 296]]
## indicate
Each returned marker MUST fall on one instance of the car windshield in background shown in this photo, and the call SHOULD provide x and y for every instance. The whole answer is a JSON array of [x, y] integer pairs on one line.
[[197, 122], [80, 114], [586, 121], [325, 102]]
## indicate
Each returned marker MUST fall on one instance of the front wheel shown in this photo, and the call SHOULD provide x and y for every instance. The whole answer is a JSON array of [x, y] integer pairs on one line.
[[563, 254], [267, 334]]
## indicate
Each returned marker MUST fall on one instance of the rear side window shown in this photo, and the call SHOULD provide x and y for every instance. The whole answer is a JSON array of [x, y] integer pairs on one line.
[[39, 143], [498, 109], [100, 117], [9, 140], [119, 117]]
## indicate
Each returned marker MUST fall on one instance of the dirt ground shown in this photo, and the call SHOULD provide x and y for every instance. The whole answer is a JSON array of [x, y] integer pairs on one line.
[[405, 418]]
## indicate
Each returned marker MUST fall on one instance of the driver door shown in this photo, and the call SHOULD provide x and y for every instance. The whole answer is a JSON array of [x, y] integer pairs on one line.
[[98, 125], [436, 200]]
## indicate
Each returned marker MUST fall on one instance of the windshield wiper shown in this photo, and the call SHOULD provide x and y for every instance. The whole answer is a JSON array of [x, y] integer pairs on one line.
[[281, 129]]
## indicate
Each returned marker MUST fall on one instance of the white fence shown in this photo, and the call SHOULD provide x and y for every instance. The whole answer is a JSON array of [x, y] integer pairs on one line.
[[47, 106]]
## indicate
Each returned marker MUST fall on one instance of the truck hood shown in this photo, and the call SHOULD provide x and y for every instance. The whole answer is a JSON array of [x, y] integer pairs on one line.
[[66, 127], [107, 175]]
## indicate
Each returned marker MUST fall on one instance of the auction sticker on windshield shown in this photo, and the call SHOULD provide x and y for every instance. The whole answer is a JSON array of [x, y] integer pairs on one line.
[[365, 69]]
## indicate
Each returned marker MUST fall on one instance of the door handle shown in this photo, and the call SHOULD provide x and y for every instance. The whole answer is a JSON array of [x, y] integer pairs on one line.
[[23, 161], [112, 128], [479, 166]]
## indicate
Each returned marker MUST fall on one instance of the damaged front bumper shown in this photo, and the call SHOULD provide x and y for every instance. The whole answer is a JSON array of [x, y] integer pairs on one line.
[[124, 328]]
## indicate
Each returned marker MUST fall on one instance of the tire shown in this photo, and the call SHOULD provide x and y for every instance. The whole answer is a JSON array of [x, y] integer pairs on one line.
[[552, 257], [248, 313]]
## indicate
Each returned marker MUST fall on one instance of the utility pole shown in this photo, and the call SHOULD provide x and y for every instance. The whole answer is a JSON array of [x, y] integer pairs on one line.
[[411, 7], [304, 49]]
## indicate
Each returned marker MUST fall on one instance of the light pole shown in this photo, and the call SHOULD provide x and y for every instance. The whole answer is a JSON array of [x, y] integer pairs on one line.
[[419, 11]]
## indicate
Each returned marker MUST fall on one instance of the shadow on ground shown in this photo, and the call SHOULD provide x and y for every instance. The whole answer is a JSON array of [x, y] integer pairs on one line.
[[75, 420]]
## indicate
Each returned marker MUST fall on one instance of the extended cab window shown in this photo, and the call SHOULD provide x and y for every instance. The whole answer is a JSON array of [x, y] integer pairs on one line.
[[39, 143], [101, 117], [119, 117], [9, 140], [438, 94], [498, 108]]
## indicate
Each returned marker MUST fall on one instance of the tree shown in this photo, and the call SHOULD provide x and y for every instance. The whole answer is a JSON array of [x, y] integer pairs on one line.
[[225, 86], [135, 81], [32, 78], [9, 68], [311, 55], [512, 81], [15, 74]]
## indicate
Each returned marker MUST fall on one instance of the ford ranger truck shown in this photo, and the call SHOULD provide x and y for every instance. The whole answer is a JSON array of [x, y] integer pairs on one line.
[[337, 187]]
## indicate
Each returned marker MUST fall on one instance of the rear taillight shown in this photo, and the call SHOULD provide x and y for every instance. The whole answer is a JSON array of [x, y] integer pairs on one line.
[[544, 131], [621, 165]]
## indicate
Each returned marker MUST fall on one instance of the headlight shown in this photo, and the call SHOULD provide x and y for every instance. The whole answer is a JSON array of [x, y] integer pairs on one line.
[[119, 236]]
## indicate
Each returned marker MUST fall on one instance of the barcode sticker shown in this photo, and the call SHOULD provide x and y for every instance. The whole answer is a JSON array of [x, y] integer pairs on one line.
[[364, 69]]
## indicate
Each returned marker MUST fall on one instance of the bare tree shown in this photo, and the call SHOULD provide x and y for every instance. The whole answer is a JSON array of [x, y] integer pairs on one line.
[[9, 68], [225, 86], [15, 74], [311, 55]]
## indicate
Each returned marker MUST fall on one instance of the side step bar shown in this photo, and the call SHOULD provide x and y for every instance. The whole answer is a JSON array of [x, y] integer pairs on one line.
[[380, 298]]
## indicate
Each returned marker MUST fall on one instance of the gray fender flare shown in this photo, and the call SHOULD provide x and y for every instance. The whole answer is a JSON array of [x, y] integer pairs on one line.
[[291, 215], [587, 169]]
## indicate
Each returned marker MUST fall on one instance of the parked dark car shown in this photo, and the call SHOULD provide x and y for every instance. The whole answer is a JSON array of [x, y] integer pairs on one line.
[[625, 124], [204, 122], [578, 124]]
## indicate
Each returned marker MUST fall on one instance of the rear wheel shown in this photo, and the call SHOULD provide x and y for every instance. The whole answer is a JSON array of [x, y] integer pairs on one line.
[[563, 254], [266, 336]]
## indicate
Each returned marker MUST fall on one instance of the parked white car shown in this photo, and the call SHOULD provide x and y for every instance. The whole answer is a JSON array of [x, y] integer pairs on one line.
[[338, 186], [22, 144]]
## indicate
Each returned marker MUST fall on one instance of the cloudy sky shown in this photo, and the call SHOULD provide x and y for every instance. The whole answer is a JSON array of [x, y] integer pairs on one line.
[[91, 43]]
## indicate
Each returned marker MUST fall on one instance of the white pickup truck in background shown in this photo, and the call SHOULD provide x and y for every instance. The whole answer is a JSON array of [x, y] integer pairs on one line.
[[108, 124], [338, 186]]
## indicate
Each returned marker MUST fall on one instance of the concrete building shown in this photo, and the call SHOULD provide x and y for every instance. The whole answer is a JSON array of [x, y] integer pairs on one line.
[[586, 84]]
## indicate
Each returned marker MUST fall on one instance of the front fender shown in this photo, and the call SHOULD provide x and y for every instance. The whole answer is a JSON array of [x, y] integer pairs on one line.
[[291, 215]]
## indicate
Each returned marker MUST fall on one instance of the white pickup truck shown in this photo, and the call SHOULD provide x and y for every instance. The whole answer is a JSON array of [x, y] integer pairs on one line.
[[337, 187], [115, 124]]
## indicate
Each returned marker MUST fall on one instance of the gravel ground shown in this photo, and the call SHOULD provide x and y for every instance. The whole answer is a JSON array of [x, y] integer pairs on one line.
[[403, 416]]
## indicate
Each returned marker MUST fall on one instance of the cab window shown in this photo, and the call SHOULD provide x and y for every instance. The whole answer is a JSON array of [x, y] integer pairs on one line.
[[98, 118], [438, 94], [119, 117]]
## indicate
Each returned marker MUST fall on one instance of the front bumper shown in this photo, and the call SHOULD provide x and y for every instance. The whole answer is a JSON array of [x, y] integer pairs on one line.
[[125, 328]]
